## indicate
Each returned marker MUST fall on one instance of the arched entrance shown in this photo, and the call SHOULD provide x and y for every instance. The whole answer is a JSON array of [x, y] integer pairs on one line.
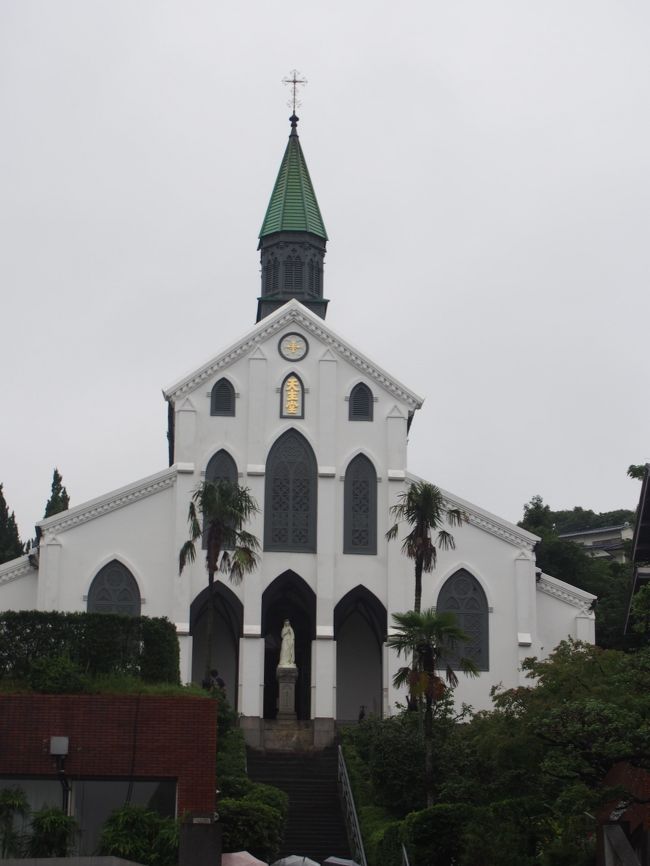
[[288, 597], [228, 618], [360, 622]]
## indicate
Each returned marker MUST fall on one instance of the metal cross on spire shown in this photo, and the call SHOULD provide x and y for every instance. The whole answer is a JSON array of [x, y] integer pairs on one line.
[[295, 81]]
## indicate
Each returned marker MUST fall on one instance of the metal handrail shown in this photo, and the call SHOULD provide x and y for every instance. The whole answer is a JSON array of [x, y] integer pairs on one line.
[[350, 813], [405, 857]]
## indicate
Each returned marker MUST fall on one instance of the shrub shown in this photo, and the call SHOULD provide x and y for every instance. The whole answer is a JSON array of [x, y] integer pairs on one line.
[[433, 836], [270, 796], [137, 834], [53, 834], [13, 804], [231, 755], [97, 643], [249, 825], [57, 676]]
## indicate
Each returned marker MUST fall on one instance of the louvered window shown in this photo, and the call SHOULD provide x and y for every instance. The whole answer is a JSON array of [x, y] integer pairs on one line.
[[290, 495], [275, 284], [360, 507], [114, 590], [222, 401], [361, 403], [463, 595], [293, 273]]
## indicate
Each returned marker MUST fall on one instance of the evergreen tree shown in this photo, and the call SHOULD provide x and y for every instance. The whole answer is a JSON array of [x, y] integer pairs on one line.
[[59, 499], [10, 544]]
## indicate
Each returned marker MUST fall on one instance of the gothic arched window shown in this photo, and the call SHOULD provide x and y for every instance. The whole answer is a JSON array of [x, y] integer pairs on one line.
[[290, 495], [221, 467], [222, 398], [361, 403], [114, 590], [463, 595], [360, 507], [292, 397]]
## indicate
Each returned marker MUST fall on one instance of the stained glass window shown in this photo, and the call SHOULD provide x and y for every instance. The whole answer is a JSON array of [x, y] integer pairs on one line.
[[463, 595], [114, 590], [360, 507], [290, 495]]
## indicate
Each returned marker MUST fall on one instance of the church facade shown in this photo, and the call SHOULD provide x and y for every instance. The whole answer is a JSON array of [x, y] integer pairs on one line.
[[318, 433]]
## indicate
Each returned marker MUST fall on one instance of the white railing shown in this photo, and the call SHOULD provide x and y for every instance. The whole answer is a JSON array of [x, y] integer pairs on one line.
[[405, 857], [350, 813]]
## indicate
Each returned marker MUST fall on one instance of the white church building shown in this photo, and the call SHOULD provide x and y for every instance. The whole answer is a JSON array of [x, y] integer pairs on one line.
[[318, 432]]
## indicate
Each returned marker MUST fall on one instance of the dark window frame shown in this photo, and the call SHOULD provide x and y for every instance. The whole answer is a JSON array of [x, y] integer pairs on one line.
[[99, 583], [290, 462], [455, 597]]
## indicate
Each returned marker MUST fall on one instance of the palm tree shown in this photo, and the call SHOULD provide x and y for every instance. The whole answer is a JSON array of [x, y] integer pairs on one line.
[[430, 639], [225, 507], [423, 507]]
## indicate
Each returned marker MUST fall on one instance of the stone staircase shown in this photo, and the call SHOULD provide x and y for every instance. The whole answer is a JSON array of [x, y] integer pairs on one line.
[[315, 825]]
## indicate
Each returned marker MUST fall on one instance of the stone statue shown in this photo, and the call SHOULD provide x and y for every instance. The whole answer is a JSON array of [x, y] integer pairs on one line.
[[288, 647]]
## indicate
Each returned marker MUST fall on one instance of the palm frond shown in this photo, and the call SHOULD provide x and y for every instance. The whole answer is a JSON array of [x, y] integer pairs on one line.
[[193, 520], [401, 678], [446, 540], [187, 554]]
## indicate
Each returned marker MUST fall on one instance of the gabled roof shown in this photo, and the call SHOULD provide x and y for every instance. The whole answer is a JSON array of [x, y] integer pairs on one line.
[[293, 206], [295, 314]]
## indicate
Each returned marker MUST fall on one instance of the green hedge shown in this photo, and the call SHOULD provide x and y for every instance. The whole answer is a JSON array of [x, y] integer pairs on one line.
[[250, 825], [97, 643]]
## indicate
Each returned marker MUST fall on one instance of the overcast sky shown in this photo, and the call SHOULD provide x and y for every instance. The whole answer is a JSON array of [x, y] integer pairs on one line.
[[482, 167]]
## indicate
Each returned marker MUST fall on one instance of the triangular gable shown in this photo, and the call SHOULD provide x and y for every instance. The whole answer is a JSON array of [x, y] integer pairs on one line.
[[292, 313]]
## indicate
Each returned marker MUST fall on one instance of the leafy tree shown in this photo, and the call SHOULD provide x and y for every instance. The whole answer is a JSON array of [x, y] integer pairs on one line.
[[10, 543], [637, 471], [423, 508], [428, 638], [59, 499], [224, 507], [568, 561]]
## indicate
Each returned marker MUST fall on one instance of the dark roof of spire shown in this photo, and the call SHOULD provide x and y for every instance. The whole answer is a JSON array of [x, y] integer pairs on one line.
[[293, 206]]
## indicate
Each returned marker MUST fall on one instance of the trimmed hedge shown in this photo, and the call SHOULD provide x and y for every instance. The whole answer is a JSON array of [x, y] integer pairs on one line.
[[97, 643], [250, 825]]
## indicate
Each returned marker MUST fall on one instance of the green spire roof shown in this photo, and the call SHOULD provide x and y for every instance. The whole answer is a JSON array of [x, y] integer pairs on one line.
[[293, 206]]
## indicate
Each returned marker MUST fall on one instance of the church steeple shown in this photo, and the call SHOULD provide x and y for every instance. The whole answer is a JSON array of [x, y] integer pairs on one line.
[[293, 237]]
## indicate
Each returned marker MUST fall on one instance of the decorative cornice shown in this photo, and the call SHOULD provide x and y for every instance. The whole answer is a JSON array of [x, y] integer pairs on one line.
[[291, 314], [490, 523], [565, 592], [14, 569], [109, 502]]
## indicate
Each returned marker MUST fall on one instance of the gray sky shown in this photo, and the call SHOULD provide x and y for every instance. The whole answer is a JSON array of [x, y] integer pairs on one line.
[[483, 172]]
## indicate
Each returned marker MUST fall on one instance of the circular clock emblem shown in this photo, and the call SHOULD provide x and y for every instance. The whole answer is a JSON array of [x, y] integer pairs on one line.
[[293, 347]]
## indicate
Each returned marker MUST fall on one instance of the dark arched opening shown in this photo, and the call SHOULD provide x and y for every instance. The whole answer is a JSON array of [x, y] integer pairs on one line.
[[227, 627], [288, 597], [360, 623]]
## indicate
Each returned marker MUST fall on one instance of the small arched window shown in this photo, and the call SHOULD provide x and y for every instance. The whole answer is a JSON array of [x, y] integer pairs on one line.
[[463, 595], [221, 467], [114, 590], [361, 403], [360, 507], [292, 397], [222, 398], [290, 498]]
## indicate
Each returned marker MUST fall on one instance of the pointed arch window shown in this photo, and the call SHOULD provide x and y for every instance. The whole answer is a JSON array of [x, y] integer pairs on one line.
[[463, 595], [361, 403], [222, 398], [360, 507], [290, 498], [221, 467], [114, 590], [292, 397]]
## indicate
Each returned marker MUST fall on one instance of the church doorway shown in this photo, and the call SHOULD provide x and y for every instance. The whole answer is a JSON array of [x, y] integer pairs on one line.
[[224, 621], [288, 597], [360, 622]]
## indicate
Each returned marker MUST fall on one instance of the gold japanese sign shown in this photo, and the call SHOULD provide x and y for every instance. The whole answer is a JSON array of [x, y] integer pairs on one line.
[[292, 396]]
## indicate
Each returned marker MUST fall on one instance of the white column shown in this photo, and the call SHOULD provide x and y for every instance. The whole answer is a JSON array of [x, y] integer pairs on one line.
[[184, 431], [251, 674], [50, 575], [323, 677]]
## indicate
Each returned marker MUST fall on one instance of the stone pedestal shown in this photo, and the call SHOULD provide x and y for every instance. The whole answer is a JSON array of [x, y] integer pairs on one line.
[[287, 676]]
